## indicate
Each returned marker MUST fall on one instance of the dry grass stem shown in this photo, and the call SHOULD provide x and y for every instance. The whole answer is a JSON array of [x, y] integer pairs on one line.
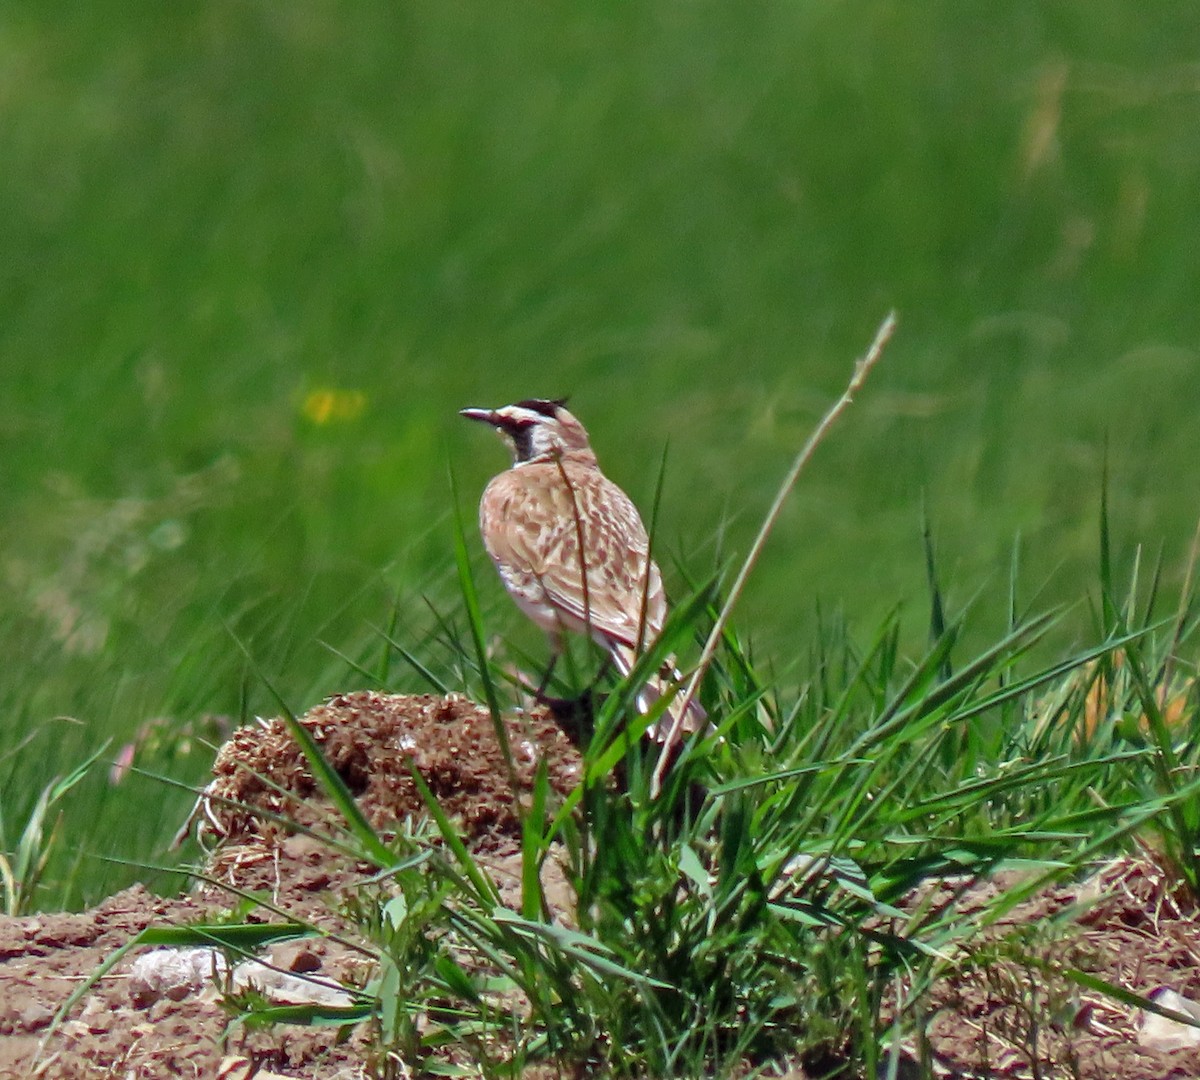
[[861, 370]]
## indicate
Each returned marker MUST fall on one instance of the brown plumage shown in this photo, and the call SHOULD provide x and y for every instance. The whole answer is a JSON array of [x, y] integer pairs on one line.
[[534, 517]]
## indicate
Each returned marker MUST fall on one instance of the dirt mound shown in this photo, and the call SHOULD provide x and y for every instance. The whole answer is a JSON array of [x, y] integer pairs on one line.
[[372, 740]]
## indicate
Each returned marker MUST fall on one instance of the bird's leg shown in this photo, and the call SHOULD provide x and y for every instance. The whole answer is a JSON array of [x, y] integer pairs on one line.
[[539, 695], [557, 645], [573, 715], [605, 667]]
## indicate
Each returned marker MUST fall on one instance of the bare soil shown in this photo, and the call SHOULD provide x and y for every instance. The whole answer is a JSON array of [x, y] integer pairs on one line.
[[1000, 1015]]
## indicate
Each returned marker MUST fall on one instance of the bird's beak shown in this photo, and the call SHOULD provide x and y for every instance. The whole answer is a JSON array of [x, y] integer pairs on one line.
[[487, 416]]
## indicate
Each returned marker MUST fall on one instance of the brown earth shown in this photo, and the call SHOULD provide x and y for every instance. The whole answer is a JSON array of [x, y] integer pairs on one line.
[[1001, 1014]]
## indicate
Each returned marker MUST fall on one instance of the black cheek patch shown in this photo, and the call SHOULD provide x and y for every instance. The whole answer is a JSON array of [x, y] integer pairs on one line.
[[522, 437]]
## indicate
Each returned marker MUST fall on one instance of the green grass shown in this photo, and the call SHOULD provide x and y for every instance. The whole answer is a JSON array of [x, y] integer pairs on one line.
[[766, 907], [688, 216]]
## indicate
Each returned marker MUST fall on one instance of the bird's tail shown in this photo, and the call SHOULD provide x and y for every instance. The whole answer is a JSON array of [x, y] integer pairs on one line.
[[667, 681]]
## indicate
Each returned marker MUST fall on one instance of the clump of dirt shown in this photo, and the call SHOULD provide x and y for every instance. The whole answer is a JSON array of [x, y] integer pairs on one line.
[[372, 741]]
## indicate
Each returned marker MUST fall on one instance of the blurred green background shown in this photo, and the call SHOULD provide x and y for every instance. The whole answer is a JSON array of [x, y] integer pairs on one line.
[[254, 256]]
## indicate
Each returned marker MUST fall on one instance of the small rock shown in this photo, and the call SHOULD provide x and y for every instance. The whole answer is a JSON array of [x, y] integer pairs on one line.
[[96, 1016], [299, 848], [317, 880], [35, 1015], [284, 989], [297, 956], [1161, 1032], [172, 973], [178, 991], [236, 1068], [74, 1030]]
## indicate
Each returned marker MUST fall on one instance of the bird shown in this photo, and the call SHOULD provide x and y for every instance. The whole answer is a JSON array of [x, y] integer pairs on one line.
[[535, 519]]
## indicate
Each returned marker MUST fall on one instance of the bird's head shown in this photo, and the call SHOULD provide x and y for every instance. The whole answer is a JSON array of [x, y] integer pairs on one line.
[[536, 429]]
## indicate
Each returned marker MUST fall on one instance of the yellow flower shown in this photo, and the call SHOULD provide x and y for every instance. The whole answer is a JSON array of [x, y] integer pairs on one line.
[[329, 405]]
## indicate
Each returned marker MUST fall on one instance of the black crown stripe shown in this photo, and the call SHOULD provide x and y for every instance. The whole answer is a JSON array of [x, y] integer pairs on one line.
[[544, 406]]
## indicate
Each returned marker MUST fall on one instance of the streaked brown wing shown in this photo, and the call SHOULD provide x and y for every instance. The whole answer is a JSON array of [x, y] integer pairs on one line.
[[531, 521]]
